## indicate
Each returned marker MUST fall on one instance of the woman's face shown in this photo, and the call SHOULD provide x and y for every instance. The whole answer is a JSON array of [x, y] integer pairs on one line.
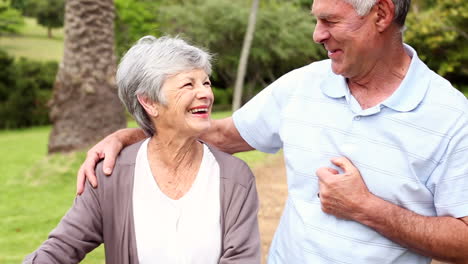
[[189, 100]]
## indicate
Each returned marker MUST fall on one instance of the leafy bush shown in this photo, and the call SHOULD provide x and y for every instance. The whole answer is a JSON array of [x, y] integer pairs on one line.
[[134, 19], [25, 88], [10, 19], [438, 33], [223, 98]]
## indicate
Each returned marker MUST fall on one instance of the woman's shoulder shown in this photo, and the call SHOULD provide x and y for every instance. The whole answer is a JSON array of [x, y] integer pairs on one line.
[[232, 168]]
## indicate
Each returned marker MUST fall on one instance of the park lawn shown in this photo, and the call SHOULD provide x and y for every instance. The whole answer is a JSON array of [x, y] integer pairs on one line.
[[32, 43], [38, 189]]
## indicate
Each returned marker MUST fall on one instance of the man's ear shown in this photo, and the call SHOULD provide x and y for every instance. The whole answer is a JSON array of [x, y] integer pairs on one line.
[[150, 106], [385, 14]]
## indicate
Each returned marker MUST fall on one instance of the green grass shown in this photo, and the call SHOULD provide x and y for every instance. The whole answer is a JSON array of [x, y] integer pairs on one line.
[[36, 190], [33, 43]]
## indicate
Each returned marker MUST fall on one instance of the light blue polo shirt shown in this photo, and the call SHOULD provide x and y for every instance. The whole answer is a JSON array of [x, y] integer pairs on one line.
[[412, 150]]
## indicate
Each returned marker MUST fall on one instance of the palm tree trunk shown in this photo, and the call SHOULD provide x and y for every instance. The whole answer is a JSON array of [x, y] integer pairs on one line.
[[85, 106]]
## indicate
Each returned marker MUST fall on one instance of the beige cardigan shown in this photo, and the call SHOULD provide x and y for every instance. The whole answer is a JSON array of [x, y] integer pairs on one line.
[[105, 215]]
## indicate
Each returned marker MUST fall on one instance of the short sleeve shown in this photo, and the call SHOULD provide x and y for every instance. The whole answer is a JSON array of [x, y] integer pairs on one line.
[[450, 177], [259, 120]]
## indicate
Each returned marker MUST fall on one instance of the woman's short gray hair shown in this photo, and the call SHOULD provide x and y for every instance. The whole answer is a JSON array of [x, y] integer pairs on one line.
[[145, 67], [363, 7]]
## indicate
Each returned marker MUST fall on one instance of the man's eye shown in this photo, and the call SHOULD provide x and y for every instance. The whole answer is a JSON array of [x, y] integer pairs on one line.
[[187, 85], [207, 83]]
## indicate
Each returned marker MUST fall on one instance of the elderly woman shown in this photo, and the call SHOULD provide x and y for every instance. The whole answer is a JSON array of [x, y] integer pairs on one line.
[[175, 199]]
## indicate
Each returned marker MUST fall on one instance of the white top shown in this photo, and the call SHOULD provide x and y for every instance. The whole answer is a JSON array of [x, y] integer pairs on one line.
[[411, 150], [181, 231]]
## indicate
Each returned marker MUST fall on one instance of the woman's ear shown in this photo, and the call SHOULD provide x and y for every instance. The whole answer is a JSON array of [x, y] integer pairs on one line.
[[385, 14], [150, 106]]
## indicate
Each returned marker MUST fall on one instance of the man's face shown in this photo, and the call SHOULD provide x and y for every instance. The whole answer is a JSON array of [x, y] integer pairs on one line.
[[348, 38]]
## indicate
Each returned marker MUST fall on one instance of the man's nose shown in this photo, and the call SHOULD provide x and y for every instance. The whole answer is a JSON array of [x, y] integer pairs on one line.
[[320, 33]]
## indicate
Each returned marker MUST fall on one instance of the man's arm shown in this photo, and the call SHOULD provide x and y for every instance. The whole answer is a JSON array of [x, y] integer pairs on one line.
[[223, 134], [346, 196], [443, 238]]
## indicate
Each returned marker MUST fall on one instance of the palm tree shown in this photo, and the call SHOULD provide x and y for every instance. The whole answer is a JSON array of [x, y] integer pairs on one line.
[[85, 106]]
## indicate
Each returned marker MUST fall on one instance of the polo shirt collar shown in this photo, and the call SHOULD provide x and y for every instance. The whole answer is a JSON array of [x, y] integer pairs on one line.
[[406, 98], [334, 85], [414, 86]]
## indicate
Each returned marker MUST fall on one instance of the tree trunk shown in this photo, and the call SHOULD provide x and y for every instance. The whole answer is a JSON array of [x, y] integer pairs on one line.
[[85, 106], [49, 32], [242, 68]]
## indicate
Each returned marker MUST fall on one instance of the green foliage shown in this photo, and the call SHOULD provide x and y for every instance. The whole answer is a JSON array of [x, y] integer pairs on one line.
[[304, 4], [27, 7], [134, 19], [25, 88], [439, 33], [282, 39], [18, 4], [11, 20], [50, 13], [7, 78], [223, 98]]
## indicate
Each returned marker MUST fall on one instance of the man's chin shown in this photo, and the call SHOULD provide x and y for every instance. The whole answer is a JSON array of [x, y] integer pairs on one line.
[[336, 68]]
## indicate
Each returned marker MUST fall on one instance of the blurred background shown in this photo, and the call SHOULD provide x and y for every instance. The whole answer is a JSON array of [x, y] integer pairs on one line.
[[38, 176]]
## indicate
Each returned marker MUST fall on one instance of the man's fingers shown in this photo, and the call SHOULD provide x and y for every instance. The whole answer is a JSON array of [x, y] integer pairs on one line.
[[80, 181], [89, 167], [90, 174], [344, 163], [322, 172], [109, 162]]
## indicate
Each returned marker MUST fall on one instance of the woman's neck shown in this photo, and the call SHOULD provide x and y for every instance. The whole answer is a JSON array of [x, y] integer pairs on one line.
[[174, 162], [174, 151]]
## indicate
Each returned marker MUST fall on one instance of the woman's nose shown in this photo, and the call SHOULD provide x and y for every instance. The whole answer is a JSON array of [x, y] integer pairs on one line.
[[204, 91]]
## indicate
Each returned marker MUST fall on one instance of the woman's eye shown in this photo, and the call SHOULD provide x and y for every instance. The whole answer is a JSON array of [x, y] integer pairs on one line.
[[207, 83], [187, 85]]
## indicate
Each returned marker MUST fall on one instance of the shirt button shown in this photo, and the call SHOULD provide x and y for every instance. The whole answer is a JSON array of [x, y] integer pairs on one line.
[[357, 118]]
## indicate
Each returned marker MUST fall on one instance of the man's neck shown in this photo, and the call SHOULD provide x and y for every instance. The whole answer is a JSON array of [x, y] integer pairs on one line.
[[383, 79]]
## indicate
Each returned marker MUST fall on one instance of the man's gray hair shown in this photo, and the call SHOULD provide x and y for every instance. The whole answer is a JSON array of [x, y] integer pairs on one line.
[[146, 66], [363, 7]]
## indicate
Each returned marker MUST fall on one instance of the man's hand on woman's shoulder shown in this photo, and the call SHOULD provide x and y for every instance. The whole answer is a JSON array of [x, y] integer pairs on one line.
[[107, 149]]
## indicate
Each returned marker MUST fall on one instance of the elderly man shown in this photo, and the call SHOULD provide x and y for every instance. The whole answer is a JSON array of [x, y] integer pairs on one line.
[[404, 197]]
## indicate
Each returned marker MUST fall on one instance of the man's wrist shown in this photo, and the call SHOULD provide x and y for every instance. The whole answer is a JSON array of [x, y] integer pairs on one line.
[[369, 210], [128, 136]]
